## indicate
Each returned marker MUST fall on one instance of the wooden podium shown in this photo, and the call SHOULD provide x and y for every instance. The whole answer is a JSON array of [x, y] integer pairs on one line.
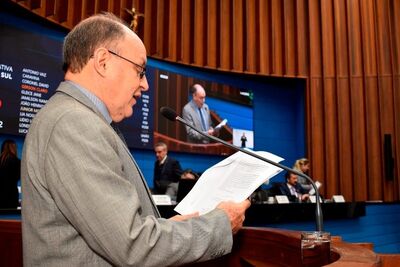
[[276, 247], [252, 247]]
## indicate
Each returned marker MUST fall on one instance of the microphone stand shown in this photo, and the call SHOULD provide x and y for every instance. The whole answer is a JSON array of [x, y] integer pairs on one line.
[[318, 210]]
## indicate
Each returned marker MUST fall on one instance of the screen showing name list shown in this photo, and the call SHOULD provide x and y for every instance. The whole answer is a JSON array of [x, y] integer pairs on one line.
[[31, 71]]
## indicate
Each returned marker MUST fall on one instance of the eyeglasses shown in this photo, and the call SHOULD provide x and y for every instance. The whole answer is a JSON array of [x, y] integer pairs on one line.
[[141, 73]]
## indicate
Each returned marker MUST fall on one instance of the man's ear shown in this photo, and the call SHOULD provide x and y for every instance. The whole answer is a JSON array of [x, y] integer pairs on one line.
[[101, 59]]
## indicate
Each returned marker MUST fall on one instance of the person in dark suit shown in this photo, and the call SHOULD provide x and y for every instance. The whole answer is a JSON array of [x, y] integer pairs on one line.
[[243, 139], [292, 189], [177, 191], [10, 174], [166, 169], [197, 113]]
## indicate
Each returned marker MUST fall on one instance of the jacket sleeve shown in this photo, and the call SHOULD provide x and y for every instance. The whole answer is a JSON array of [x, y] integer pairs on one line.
[[92, 190]]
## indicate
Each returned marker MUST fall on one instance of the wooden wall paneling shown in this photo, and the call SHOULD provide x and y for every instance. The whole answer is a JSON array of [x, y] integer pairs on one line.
[[345, 166], [238, 35], [264, 45], [368, 38], [49, 8], [87, 8], [357, 62], [357, 101], [251, 37], [341, 42], [394, 7], [345, 169], [74, 13], [115, 7], [373, 138], [173, 35], [315, 39], [61, 11], [277, 37], [165, 28], [225, 37], [161, 34], [385, 82], [384, 66], [212, 35], [123, 4], [315, 138], [302, 35], [317, 152], [100, 5], [40, 8], [330, 108], [34, 4], [200, 33], [359, 143], [186, 33], [150, 27], [381, 16], [386, 99], [396, 139], [328, 43], [394, 13], [330, 140], [290, 45]]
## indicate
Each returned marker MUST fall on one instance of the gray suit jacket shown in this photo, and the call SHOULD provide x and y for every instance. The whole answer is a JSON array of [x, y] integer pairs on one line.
[[191, 114], [86, 203]]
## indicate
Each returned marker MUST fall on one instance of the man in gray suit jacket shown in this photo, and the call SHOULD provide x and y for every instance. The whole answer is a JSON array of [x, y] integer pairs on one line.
[[197, 113], [85, 201]]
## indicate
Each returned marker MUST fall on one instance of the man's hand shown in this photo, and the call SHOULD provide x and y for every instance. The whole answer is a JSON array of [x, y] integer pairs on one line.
[[235, 212], [179, 218], [305, 197], [211, 131]]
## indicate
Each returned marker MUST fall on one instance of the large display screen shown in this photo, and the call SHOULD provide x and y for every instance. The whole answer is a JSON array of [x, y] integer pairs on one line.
[[231, 109], [30, 72]]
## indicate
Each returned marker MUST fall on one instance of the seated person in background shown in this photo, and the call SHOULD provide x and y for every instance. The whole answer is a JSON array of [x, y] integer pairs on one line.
[[166, 169], [292, 189], [177, 191], [303, 165], [10, 173]]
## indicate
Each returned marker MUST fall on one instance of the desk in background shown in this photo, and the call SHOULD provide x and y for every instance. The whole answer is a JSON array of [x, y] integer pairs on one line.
[[261, 214]]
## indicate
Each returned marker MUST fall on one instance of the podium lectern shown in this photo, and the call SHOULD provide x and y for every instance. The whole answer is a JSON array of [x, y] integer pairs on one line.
[[252, 247], [275, 247]]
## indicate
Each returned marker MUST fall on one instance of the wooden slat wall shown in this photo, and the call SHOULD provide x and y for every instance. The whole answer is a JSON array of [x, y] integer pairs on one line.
[[348, 50]]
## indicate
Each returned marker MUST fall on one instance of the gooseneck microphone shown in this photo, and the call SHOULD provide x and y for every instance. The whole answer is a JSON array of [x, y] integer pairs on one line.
[[171, 115]]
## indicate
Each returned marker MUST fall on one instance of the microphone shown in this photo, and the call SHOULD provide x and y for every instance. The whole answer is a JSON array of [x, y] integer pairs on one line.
[[171, 115]]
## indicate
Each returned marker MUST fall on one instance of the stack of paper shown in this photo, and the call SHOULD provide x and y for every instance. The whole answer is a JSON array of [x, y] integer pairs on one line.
[[234, 178]]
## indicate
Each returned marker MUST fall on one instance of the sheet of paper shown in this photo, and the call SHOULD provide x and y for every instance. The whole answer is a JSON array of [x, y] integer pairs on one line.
[[312, 191], [234, 178], [222, 123]]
